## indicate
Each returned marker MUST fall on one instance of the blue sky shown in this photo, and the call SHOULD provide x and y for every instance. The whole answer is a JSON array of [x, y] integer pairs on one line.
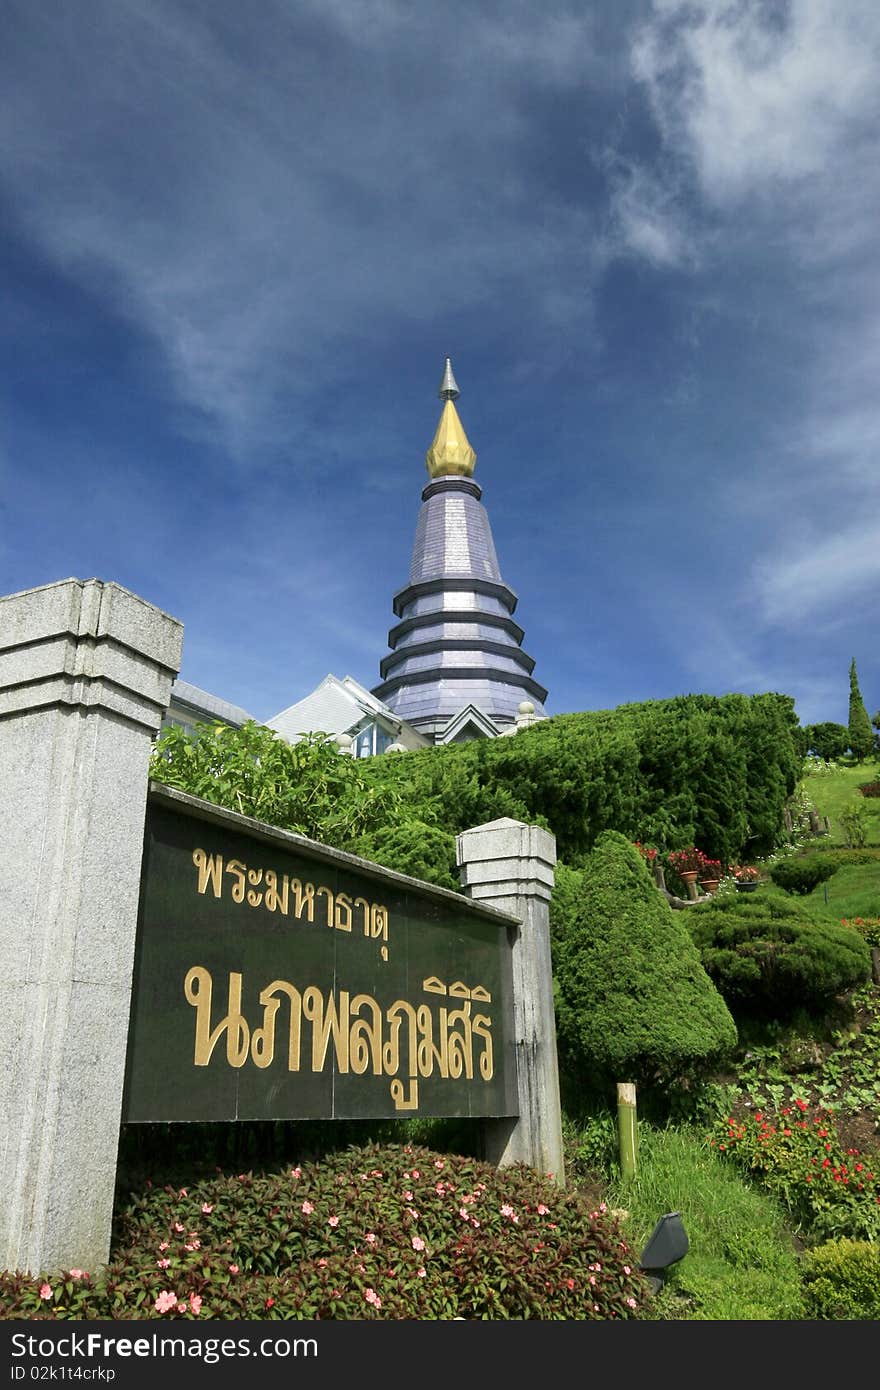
[[239, 240]]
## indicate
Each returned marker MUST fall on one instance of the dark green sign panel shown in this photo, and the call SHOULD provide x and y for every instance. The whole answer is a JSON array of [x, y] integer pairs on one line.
[[271, 984]]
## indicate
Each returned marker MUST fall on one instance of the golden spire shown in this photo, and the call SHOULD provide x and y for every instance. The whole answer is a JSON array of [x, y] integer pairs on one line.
[[450, 451]]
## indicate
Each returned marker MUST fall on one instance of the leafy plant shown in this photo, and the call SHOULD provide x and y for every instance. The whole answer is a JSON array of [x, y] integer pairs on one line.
[[394, 1231]]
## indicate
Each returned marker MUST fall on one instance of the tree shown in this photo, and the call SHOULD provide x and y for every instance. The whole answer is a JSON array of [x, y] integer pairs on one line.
[[827, 740], [861, 737]]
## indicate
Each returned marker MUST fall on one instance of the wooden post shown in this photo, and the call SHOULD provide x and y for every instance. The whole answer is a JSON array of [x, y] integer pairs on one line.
[[627, 1133]]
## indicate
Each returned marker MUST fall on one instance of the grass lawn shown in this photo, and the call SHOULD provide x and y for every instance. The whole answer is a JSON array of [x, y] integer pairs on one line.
[[837, 789]]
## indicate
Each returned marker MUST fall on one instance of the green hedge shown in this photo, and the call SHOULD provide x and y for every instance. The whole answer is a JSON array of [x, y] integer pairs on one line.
[[714, 771]]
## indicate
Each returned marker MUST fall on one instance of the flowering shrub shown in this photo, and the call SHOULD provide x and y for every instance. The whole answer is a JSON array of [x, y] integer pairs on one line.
[[869, 788], [648, 852], [376, 1232], [797, 1155], [711, 869]]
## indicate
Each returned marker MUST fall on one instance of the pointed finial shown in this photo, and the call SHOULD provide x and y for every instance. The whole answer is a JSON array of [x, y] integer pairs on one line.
[[448, 386]]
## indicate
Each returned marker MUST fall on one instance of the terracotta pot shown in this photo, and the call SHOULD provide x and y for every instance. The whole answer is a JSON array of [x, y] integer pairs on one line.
[[709, 884], [688, 875]]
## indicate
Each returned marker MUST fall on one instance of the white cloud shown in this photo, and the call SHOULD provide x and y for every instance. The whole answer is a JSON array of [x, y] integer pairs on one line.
[[760, 95], [820, 574]]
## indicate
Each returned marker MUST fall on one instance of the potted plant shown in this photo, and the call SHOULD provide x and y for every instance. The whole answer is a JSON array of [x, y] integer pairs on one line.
[[710, 874], [745, 877], [687, 864]]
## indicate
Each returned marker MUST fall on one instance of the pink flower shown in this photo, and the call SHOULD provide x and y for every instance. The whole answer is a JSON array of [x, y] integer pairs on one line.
[[177, 1226], [181, 1307], [163, 1264], [407, 1196], [192, 1245], [464, 1213], [422, 1272], [45, 1291], [631, 1303], [322, 1264], [542, 1210], [507, 1210], [439, 1163], [418, 1243], [307, 1208], [416, 1173], [78, 1274], [207, 1208], [627, 1270], [269, 1302], [371, 1238], [233, 1269], [296, 1172], [332, 1220], [165, 1301], [183, 1192], [570, 1282], [195, 1303], [163, 1244], [372, 1297]]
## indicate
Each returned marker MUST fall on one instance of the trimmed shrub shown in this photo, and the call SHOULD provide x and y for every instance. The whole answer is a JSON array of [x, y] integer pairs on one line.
[[766, 960], [633, 1002], [423, 851], [802, 875], [841, 1281]]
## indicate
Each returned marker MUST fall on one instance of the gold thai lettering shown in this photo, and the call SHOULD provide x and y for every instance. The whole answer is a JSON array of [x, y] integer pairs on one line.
[[318, 892], [255, 876], [327, 1019], [342, 915], [379, 921], [239, 871], [275, 901], [263, 1039], [404, 1042], [198, 988], [365, 1042], [267, 888], [400, 1098], [303, 899], [210, 867]]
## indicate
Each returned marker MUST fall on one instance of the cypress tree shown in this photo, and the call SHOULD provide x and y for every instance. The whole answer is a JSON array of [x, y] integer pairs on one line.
[[861, 736]]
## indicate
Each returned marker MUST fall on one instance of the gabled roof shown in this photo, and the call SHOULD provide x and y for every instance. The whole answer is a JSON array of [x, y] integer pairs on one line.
[[204, 707], [468, 715]]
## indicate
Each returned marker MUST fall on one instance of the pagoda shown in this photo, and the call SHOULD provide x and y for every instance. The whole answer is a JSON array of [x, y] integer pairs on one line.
[[456, 668]]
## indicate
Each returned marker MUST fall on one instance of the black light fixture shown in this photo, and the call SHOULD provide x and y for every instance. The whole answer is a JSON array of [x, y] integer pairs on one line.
[[668, 1244]]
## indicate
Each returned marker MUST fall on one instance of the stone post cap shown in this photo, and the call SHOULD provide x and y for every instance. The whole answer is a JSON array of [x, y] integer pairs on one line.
[[91, 608], [505, 839]]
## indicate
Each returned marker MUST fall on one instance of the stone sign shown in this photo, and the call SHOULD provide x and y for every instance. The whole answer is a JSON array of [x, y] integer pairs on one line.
[[275, 979]]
